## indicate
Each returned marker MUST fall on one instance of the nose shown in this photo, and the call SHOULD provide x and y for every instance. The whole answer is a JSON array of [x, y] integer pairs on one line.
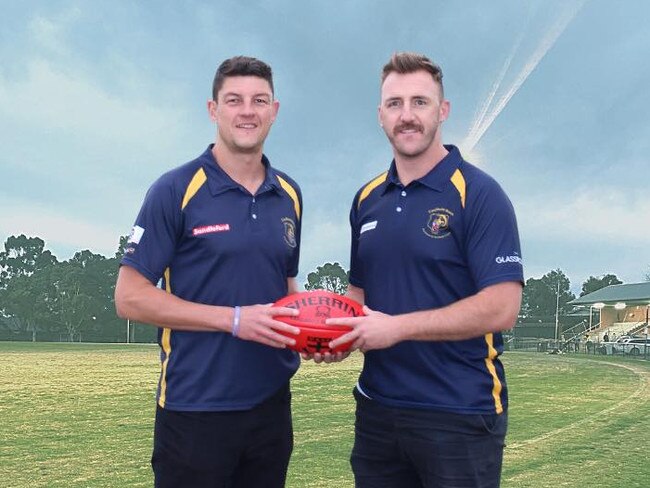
[[406, 115], [247, 109]]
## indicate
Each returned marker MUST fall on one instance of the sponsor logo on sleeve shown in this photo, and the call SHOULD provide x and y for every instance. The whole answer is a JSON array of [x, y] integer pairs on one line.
[[210, 229], [368, 226], [513, 258], [136, 234]]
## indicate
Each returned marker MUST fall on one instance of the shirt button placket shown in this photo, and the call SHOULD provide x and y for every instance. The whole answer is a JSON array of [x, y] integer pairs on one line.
[[254, 210], [400, 202]]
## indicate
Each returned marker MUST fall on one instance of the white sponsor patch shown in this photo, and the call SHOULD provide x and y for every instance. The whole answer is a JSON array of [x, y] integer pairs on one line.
[[209, 229], [136, 234], [368, 226]]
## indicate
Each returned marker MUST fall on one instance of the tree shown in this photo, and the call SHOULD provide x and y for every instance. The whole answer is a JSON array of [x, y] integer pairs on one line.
[[23, 256], [542, 296], [593, 283], [329, 276], [121, 247], [84, 287], [25, 300], [21, 289]]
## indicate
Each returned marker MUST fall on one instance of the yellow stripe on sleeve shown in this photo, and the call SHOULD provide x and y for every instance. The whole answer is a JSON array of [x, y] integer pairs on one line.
[[292, 193], [459, 182], [371, 186], [489, 362], [197, 181], [167, 349]]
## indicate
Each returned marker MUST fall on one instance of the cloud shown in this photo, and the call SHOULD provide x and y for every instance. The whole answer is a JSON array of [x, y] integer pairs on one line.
[[59, 231], [324, 240], [49, 99], [49, 33], [617, 216]]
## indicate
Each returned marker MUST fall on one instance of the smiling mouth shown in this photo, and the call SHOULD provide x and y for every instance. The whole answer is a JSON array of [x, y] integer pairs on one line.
[[410, 129], [246, 126]]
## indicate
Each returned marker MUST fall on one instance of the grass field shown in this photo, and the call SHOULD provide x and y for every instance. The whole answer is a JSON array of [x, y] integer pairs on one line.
[[75, 415]]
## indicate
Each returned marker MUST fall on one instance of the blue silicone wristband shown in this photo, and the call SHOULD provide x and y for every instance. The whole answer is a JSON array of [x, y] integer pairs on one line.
[[235, 322]]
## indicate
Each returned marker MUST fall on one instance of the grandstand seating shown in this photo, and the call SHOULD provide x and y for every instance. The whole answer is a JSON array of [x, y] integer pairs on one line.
[[618, 329]]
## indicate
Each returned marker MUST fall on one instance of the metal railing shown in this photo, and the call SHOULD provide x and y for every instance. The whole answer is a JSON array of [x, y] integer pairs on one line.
[[551, 346]]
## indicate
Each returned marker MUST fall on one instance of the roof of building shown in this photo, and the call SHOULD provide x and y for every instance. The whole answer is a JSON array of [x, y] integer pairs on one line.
[[631, 294]]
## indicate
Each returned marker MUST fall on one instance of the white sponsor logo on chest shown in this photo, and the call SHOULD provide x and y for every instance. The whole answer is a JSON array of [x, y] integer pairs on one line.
[[368, 226]]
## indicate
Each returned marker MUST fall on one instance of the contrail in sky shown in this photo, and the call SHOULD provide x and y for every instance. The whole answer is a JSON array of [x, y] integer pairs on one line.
[[480, 117], [483, 123]]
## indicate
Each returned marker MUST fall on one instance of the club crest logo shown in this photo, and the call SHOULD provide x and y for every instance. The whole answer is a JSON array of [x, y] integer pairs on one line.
[[289, 231], [438, 223]]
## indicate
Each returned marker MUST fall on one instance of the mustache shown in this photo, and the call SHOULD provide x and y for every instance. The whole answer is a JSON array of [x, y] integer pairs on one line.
[[402, 127]]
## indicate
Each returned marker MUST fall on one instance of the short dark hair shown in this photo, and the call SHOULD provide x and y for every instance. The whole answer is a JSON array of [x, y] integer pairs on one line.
[[241, 66], [409, 62]]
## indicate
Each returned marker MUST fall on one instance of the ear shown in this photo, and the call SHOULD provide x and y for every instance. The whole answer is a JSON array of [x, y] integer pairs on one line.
[[212, 110], [381, 124], [276, 107], [444, 109]]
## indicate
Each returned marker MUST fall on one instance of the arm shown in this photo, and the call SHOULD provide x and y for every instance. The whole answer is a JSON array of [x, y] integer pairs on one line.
[[136, 298], [292, 286], [355, 293], [492, 309]]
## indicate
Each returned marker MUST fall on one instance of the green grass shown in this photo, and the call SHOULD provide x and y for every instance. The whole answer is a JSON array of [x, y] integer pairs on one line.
[[81, 415]]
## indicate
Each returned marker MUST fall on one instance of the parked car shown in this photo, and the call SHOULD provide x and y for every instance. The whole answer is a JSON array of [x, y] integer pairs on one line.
[[633, 346]]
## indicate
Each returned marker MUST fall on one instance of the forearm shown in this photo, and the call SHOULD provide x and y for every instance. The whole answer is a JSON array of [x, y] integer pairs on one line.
[[137, 299], [491, 310], [292, 286]]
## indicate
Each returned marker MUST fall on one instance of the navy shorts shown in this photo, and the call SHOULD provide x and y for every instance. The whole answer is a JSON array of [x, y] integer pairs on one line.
[[396, 447], [235, 449]]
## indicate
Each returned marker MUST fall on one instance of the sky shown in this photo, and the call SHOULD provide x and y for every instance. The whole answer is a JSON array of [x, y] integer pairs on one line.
[[550, 97]]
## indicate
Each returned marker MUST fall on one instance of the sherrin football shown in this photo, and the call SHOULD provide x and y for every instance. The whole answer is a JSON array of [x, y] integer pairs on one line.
[[315, 307]]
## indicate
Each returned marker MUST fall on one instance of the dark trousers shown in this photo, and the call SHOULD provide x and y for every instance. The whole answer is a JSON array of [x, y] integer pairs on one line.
[[235, 449], [398, 448]]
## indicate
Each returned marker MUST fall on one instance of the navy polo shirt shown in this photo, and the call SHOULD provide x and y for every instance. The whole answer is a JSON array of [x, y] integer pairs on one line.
[[442, 238], [212, 242]]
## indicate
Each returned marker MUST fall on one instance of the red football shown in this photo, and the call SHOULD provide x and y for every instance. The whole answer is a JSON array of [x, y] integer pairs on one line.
[[315, 307]]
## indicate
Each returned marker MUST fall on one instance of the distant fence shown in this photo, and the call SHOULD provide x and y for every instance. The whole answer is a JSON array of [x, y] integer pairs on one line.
[[142, 333], [597, 348]]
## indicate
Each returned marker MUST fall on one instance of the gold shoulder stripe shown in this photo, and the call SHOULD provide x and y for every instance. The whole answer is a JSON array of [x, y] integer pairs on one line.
[[167, 349], [197, 181], [292, 193], [459, 182], [489, 362], [371, 186]]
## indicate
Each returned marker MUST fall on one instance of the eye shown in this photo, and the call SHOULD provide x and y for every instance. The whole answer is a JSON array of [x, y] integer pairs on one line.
[[393, 103], [232, 100], [420, 102], [261, 101]]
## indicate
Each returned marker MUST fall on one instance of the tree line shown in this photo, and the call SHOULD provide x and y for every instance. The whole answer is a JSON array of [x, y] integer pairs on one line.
[[43, 298]]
